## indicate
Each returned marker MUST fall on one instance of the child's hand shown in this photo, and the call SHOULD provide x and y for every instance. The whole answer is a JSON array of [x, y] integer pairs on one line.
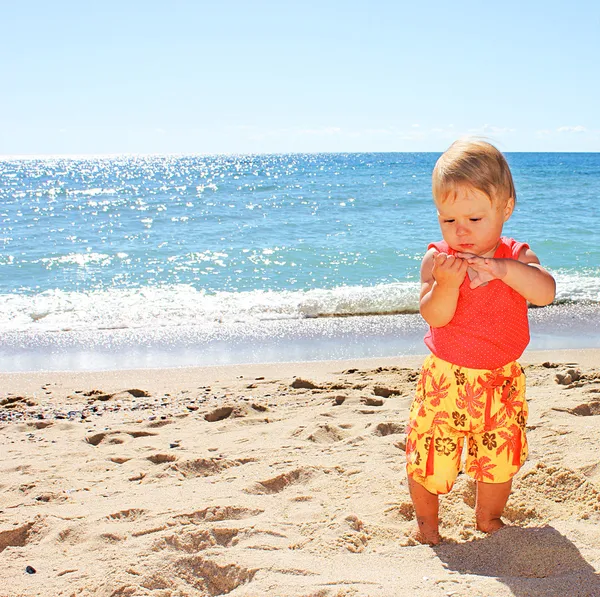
[[448, 270], [483, 269]]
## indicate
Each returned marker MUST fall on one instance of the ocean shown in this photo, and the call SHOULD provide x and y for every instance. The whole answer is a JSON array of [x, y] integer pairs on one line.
[[154, 261]]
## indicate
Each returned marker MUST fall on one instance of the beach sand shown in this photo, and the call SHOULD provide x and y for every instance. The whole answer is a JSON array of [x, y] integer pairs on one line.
[[280, 480]]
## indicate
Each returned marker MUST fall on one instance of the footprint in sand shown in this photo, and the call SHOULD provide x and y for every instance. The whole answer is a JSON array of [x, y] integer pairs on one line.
[[369, 401], [304, 384], [191, 574], [198, 540], [540, 490], [125, 394], [161, 458], [219, 414], [206, 467], [281, 482], [18, 537], [219, 513], [389, 428], [127, 515], [587, 409], [225, 412], [50, 496], [326, 434], [211, 578], [115, 437], [403, 510], [386, 392]]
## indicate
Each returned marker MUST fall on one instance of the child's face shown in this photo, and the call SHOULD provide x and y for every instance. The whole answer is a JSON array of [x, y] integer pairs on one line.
[[471, 222]]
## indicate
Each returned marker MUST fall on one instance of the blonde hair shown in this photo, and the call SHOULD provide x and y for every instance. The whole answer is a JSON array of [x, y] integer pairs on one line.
[[475, 163]]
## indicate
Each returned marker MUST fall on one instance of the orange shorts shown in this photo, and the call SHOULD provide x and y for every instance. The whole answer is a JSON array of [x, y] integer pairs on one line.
[[487, 407]]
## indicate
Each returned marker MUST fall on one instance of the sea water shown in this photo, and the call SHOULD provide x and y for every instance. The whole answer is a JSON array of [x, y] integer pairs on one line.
[[135, 261]]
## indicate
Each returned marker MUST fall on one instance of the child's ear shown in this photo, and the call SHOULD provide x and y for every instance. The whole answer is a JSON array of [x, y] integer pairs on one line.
[[509, 208]]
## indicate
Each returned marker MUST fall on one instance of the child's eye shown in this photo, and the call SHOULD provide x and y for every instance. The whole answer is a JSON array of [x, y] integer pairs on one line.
[[448, 221], [475, 219]]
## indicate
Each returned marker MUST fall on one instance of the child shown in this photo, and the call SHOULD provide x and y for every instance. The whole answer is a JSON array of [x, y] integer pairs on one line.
[[475, 285]]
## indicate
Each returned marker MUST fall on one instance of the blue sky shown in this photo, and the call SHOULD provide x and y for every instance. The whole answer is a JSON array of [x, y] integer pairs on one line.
[[240, 76]]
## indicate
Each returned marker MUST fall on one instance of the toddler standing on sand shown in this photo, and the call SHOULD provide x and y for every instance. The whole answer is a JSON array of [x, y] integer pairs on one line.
[[475, 285]]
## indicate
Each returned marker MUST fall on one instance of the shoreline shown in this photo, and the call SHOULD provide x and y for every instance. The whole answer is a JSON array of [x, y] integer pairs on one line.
[[552, 328], [188, 375]]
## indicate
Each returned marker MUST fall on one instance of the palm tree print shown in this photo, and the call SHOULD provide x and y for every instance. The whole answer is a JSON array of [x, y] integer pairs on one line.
[[481, 468], [439, 390], [470, 399], [512, 442], [509, 394]]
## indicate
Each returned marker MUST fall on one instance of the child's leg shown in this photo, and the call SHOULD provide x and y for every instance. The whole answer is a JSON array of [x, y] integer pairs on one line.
[[426, 510], [491, 499]]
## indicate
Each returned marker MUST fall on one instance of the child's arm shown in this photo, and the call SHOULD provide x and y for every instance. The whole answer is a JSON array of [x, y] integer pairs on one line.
[[524, 275], [441, 277]]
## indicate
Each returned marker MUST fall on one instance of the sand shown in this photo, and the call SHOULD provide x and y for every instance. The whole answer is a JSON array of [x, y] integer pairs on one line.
[[280, 480]]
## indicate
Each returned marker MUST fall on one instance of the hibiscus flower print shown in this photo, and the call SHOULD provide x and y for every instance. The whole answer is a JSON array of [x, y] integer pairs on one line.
[[412, 455], [459, 419], [473, 447], [445, 445], [489, 440], [461, 378]]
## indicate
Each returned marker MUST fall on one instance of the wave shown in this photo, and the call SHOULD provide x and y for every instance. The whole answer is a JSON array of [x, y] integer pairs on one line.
[[184, 305], [180, 305]]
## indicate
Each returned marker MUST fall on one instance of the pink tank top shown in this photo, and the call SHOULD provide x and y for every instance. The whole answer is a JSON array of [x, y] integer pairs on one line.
[[490, 326]]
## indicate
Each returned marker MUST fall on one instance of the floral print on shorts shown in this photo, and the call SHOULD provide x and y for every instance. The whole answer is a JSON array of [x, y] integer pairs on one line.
[[452, 403]]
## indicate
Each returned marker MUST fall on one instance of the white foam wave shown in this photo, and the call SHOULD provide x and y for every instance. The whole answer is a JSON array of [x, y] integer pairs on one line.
[[577, 287], [185, 305]]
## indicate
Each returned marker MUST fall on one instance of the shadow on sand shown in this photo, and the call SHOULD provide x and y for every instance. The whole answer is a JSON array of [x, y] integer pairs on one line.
[[532, 562]]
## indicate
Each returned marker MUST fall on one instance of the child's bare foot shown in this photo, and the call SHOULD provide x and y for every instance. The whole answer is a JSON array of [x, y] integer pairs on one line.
[[431, 537], [490, 526]]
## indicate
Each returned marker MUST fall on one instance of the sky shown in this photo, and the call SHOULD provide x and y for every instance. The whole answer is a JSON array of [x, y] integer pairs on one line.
[[242, 76]]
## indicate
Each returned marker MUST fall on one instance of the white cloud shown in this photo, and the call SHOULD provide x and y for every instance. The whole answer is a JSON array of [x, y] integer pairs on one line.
[[572, 129]]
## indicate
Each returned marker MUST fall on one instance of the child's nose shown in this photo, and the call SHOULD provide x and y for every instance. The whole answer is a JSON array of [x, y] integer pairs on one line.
[[461, 230]]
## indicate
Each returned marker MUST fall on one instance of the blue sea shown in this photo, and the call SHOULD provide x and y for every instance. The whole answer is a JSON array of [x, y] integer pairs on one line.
[[153, 261]]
